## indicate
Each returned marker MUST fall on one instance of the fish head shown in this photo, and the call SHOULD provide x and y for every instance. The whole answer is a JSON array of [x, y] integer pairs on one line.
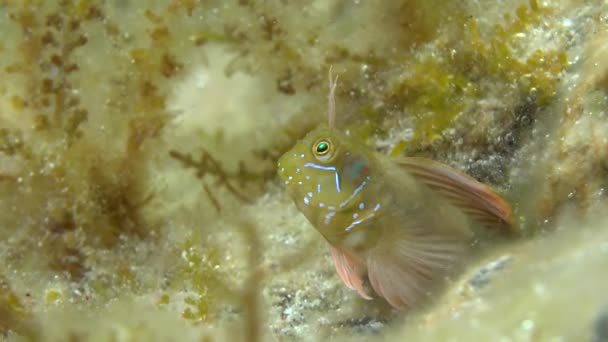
[[326, 174]]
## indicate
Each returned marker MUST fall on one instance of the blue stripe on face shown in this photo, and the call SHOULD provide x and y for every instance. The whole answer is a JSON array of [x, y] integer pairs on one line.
[[327, 168], [320, 167], [338, 182]]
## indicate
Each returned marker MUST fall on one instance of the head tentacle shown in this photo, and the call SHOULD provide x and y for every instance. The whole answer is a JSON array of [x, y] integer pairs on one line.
[[331, 99]]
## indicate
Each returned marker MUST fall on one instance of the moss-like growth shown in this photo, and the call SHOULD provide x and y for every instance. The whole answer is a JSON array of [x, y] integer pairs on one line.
[[198, 267], [437, 88], [13, 315], [95, 205]]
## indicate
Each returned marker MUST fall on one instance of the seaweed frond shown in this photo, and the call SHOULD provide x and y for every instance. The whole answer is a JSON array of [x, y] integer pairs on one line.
[[232, 181]]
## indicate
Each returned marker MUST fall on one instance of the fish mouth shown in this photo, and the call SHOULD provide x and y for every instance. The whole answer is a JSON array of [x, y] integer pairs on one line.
[[281, 171], [287, 166], [290, 173]]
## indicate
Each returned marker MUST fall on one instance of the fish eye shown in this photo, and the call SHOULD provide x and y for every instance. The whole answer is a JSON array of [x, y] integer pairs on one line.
[[322, 149]]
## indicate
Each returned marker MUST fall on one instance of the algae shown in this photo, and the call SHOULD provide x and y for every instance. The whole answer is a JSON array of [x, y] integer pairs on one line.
[[138, 143]]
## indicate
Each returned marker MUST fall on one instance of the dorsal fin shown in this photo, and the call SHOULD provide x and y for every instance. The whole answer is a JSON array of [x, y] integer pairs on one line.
[[473, 197]]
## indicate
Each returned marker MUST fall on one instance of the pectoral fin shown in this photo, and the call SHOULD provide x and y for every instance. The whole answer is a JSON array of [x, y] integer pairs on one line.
[[350, 270], [408, 268], [473, 197]]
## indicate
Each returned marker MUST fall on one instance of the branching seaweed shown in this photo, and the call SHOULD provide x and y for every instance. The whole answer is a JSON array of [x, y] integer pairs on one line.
[[48, 64], [87, 196], [208, 165], [82, 183]]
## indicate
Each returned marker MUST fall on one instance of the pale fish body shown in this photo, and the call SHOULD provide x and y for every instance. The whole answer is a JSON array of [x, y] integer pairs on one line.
[[404, 223]]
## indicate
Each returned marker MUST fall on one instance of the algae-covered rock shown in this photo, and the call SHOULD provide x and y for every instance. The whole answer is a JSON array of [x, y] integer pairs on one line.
[[138, 144]]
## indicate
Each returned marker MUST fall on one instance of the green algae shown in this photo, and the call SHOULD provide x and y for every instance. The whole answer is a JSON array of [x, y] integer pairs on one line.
[[439, 81], [438, 88], [197, 267], [83, 148], [14, 316]]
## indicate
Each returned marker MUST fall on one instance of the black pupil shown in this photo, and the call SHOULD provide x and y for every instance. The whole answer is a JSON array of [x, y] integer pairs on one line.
[[322, 147]]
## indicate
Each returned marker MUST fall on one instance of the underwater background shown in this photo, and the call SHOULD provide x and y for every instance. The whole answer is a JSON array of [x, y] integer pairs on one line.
[[138, 144]]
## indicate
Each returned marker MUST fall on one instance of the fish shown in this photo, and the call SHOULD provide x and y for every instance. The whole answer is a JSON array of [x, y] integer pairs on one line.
[[400, 225]]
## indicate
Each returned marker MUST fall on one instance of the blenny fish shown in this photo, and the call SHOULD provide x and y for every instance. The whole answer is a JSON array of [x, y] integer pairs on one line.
[[402, 225]]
